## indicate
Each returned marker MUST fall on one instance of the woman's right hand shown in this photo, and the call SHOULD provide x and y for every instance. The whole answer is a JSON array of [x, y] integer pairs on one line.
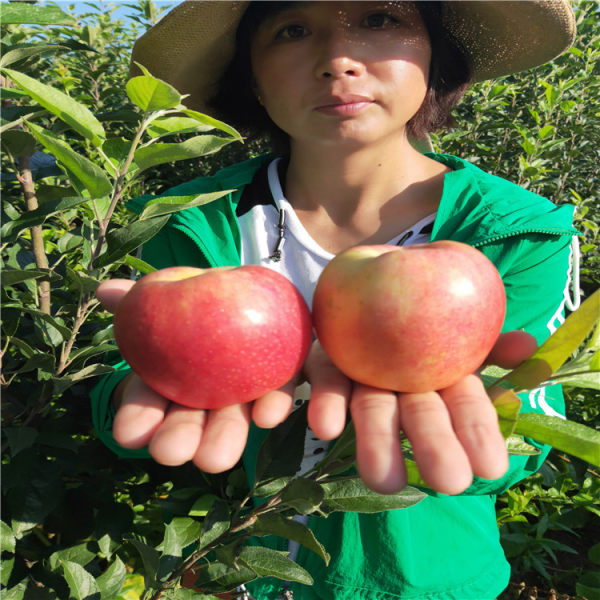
[[212, 439]]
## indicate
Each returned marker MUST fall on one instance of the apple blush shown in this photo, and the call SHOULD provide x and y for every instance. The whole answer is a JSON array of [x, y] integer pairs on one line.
[[208, 338], [411, 319]]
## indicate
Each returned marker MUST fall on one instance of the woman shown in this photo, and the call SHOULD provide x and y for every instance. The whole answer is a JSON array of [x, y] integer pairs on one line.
[[349, 90]]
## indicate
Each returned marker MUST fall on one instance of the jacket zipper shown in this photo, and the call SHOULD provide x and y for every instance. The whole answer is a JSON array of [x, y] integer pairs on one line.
[[509, 234]]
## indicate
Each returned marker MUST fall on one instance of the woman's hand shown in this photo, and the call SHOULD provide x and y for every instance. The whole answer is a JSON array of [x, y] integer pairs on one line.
[[212, 439], [453, 432]]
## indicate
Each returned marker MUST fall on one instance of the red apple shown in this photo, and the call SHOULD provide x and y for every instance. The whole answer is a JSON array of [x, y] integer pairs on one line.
[[208, 338], [411, 319]]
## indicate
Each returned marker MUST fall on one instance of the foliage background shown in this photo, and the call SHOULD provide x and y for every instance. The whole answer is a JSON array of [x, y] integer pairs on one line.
[[68, 500]]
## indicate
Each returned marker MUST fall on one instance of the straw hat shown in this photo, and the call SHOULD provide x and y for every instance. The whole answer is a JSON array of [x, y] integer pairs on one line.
[[192, 45]]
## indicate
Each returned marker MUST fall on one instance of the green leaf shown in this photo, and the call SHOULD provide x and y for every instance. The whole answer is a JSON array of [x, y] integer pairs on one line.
[[507, 405], [19, 438], [111, 582], [593, 554], [17, 14], [88, 173], [19, 52], [280, 455], [351, 495], [124, 240], [303, 495], [31, 218], [175, 125], [202, 505], [588, 586], [277, 524], [61, 384], [151, 94], [546, 131], [213, 123], [83, 586], [14, 276], [18, 143], [74, 114], [218, 576], [517, 446], [65, 332], [558, 347], [8, 541], [151, 559], [139, 265], [179, 533], [80, 554], [170, 204], [271, 563], [344, 447], [160, 153], [215, 524], [567, 436]]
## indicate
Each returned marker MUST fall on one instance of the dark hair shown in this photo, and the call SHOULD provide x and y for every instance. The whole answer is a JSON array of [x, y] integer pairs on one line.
[[236, 103]]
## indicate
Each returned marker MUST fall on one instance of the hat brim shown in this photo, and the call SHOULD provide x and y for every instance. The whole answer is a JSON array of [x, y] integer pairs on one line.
[[192, 45]]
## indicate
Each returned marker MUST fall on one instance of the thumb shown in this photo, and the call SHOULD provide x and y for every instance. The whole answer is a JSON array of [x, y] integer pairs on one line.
[[511, 349], [111, 292]]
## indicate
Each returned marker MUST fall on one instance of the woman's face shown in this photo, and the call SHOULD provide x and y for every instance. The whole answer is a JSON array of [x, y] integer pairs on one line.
[[342, 72]]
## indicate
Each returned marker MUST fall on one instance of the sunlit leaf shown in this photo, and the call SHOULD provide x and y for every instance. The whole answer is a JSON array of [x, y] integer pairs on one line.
[[212, 123], [151, 94], [517, 446], [124, 240], [21, 13], [82, 584], [352, 495], [76, 115], [271, 563], [277, 524], [88, 173], [111, 582], [507, 406], [170, 204], [160, 153], [139, 265], [567, 436]]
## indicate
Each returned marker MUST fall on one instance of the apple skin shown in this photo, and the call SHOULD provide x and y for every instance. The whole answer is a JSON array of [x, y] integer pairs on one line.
[[411, 319], [208, 338]]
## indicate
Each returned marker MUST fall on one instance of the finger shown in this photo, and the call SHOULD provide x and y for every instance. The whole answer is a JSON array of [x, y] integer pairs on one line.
[[140, 413], [441, 459], [511, 349], [224, 438], [274, 407], [475, 422], [177, 439], [376, 421], [329, 397], [111, 292]]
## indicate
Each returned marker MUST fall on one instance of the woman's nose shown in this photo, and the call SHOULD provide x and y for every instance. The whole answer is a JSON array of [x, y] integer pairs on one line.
[[338, 56]]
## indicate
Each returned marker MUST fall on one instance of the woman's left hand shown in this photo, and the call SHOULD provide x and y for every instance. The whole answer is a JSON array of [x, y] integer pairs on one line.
[[454, 432]]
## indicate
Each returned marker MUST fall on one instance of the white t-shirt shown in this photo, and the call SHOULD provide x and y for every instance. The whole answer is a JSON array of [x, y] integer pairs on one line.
[[273, 236]]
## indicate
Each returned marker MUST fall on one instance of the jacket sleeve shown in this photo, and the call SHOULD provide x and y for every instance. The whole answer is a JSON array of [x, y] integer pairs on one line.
[[536, 272]]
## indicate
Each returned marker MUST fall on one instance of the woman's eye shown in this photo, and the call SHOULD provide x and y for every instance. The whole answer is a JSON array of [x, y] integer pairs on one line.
[[292, 32], [379, 20]]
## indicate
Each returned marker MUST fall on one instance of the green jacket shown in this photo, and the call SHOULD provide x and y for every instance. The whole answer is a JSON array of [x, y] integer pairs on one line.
[[443, 547]]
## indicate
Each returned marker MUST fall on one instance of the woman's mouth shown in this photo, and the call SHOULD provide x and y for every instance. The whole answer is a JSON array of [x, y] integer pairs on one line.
[[343, 107]]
